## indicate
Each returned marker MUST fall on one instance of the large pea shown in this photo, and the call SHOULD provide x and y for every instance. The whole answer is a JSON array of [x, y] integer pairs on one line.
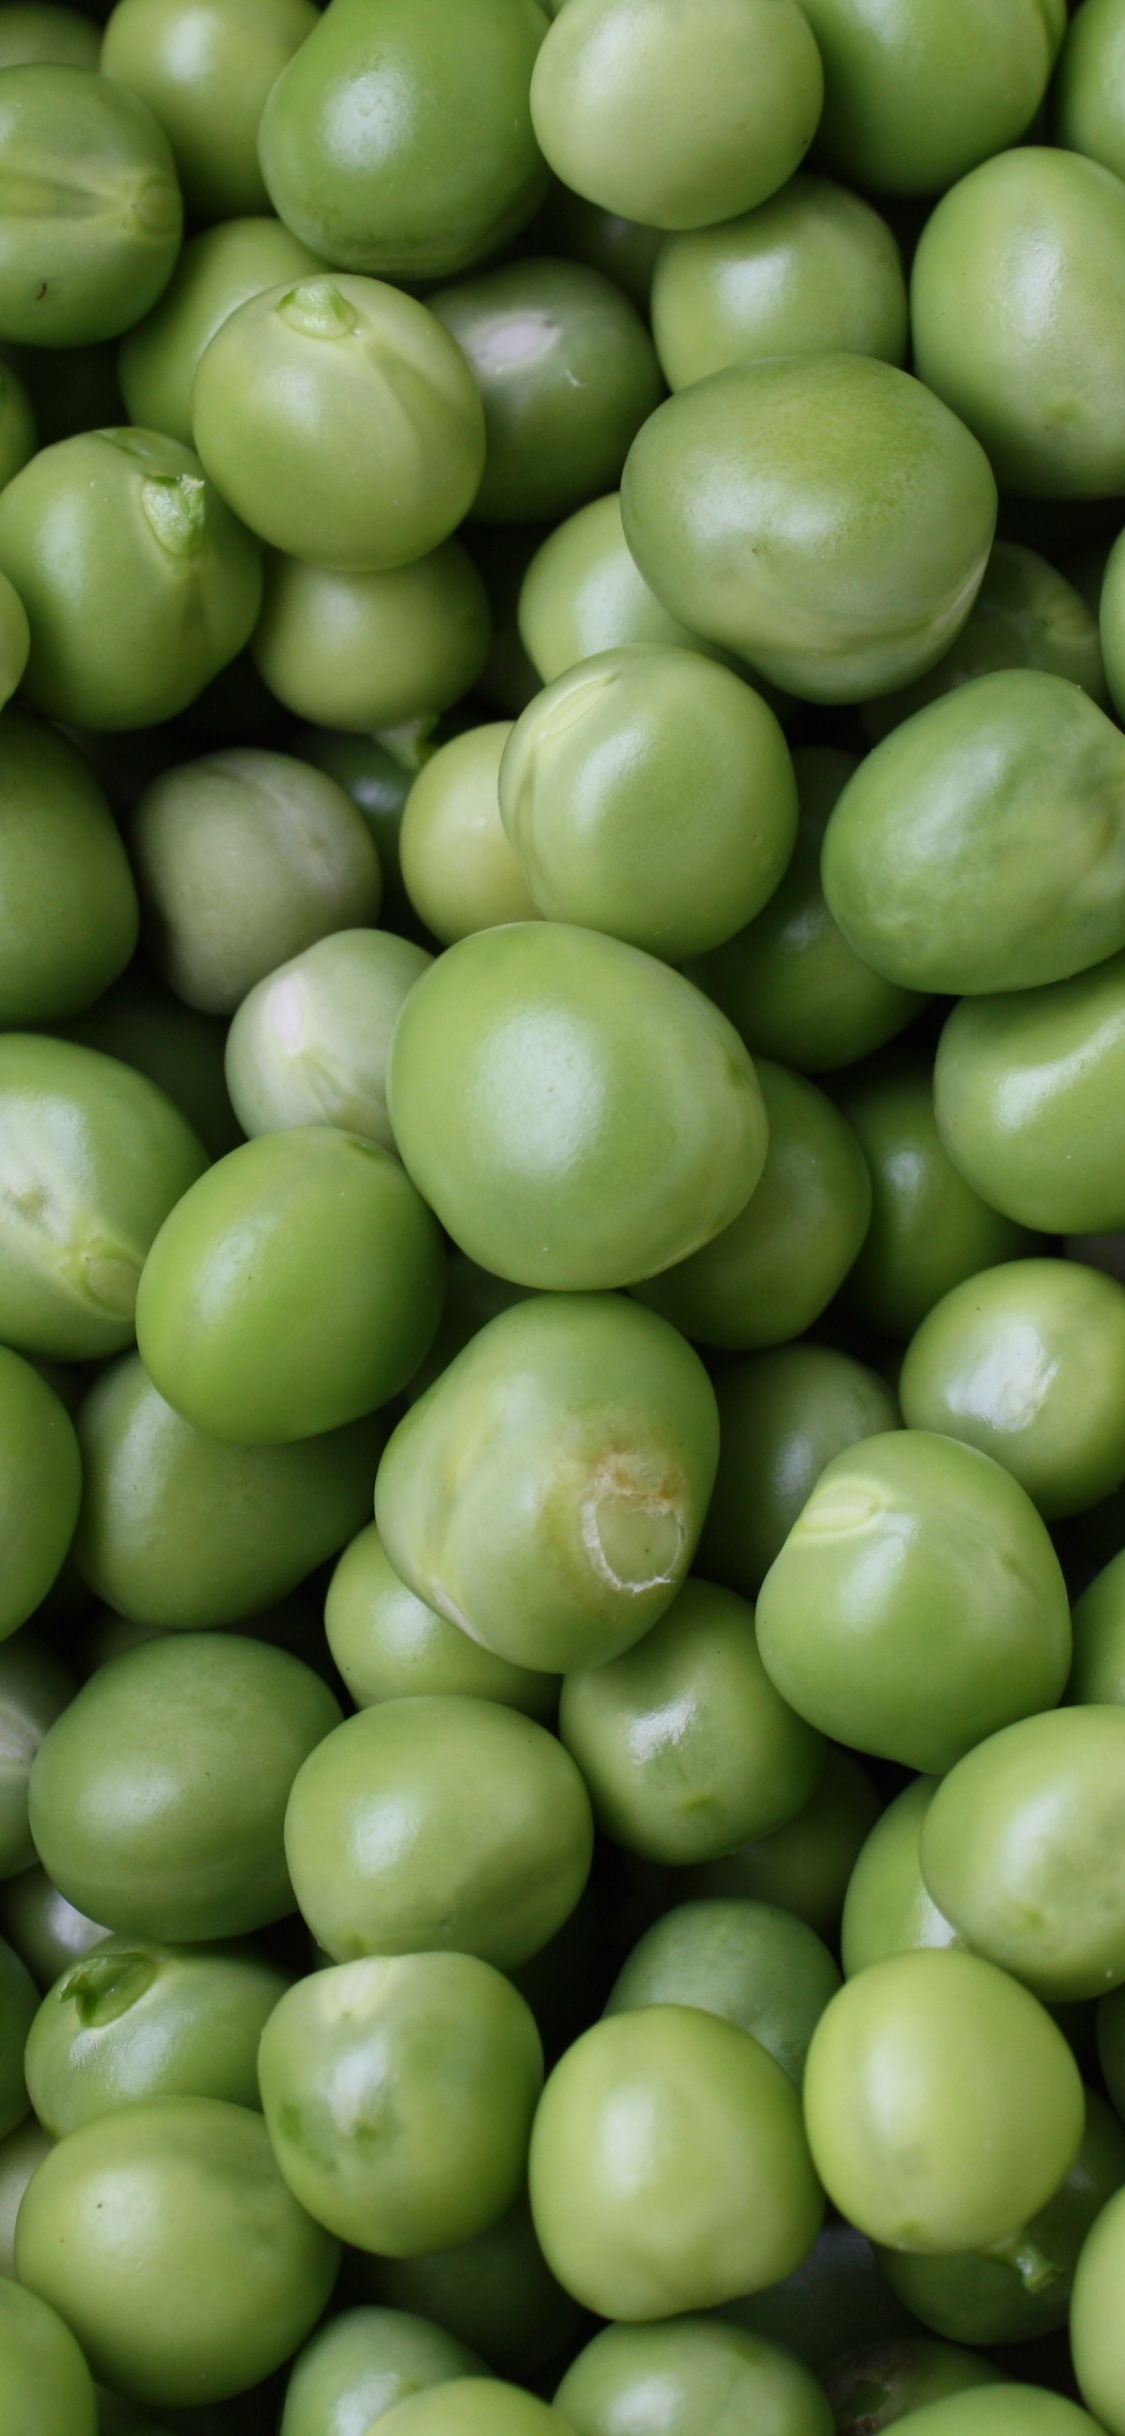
[[359, 650], [45, 2386], [389, 1645], [206, 76], [758, 1966], [69, 915], [917, 92], [1088, 86], [218, 271], [361, 2363], [888, 1908], [136, 2019], [1003, 2410], [35, 1688], [1028, 1093], [782, 1417], [309, 1043], [693, 2373], [459, 866], [90, 211]]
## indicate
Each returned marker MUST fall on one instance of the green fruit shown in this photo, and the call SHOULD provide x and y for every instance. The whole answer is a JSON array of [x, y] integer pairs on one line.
[[691, 2374], [135, 2019], [205, 73], [91, 214]]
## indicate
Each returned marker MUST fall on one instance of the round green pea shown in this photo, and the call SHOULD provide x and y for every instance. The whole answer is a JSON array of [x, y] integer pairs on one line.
[[496, 2292], [40, 1486], [480, 2407], [584, 593], [1026, 615], [309, 1043], [167, 2240], [805, 1866], [460, 868], [758, 1966], [888, 1908], [917, 92], [869, 2388], [46, 1931], [1027, 1088], [1003, 2410], [17, 2012], [34, 31], [438, 1824], [140, 1021], [69, 907], [35, 1688], [157, 1800], [90, 230], [1089, 90], [45, 2386], [389, 1645], [136, 2019], [691, 2374], [205, 71], [20, 2153], [782, 1417], [218, 270], [1098, 1617], [357, 2367], [824, 516], [1095, 2321], [943, 2107], [358, 650]]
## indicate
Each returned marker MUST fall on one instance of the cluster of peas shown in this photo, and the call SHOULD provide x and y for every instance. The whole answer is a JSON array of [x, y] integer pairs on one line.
[[668, 1869]]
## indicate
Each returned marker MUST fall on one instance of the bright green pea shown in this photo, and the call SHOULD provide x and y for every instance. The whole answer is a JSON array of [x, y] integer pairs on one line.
[[36, 31], [671, 120], [1098, 1672], [309, 1043], [918, 1603], [669, 2169], [576, 1114], [837, 604], [179, 1048], [782, 1417], [836, 2296], [1089, 89], [584, 593], [46, 1931], [90, 212], [373, 650], [1027, 1089], [888, 1908], [45, 2386], [166, 2238], [593, 787], [806, 1865], [136, 2019], [389, 1645], [205, 72], [138, 583], [40, 1486], [480, 2408], [23, 2150], [814, 268], [157, 1799], [1026, 615], [92, 1158], [423, 186], [943, 2106], [438, 1824], [460, 868], [496, 2293], [685, 1747], [917, 92], [69, 907], [217, 271], [17, 2011], [35, 1687], [358, 2366], [870, 2388], [692, 2374], [1003, 2410], [756, 1965], [340, 421]]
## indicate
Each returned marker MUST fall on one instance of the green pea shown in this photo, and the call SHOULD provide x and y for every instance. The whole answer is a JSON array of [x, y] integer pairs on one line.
[[546, 1493], [17, 2011], [439, 1823], [870, 2388], [373, 650], [20, 2153], [217, 271], [623, 250], [1088, 102], [584, 593], [943, 2106], [179, 1048], [340, 421], [138, 583], [676, 121], [758, 1966], [715, 501], [1098, 1617], [496, 2292], [90, 213], [1095, 2323], [695, 2373], [309, 1042], [669, 2168], [888, 1908], [167, 2240], [17, 415], [992, 2300], [812, 268], [805, 1866], [357, 2367], [460, 868], [790, 984], [35, 1687], [1026, 615], [684, 1745], [378, 781], [981, 846], [45, 2386], [477, 2408], [1026, 1092], [424, 185], [782, 1417], [36, 32], [389, 1645], [576, 1114], [1003, 2410], [46, 1931], [837, 2295], [136, 2019], [205, 73], [70, 913], [40, 1486], [295, 1289], [918, 1603], [1016, 301], [930, 1229], [157, 1800], [93, 1157], [916, 93]]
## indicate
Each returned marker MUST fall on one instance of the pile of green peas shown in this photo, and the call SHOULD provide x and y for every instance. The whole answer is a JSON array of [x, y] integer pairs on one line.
[[562, 1217]]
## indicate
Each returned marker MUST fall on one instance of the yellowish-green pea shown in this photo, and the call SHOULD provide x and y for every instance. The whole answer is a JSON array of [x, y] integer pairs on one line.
[[205, 72], [783, 1415], [814, 267], [584, 593], [758, 1966], [91, 230], [460, 869], [218, 271], [692, 2373], [35, 1688], [389, 1645], [351, 649], [481, 2406], [888, 1908], [309, 1043], [137, 2019], [496, 2293], [36, 30], [917, 93], [17, 415], [45, 2386], [1088, 113], [69, 915], [804, 1866], [362, 2363], [20, 2154], [1026, 615], [1027, 1088]]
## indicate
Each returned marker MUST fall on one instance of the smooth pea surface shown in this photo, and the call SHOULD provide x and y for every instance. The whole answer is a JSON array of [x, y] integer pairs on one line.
[[480, 2408], [357, 2367], [459, 866], [135, 2019], [870, 2388], [34, 30], [1098, 1617], [23, 2150], [916, 94], [356, 650], [1027, 1087], [755, 1964], [69, 919], [804, 1866], [1026, 615], [218, 271], [40, 1485], [35, 1688], [1089, 94], [389, 1645], [45, 2386], [783, 1416], [584, 593], [1003, 2410], [693, 2373], [1095, 2323], [309, 1043], [92, 228], [888, 1908], [814, 268], [205, 75]]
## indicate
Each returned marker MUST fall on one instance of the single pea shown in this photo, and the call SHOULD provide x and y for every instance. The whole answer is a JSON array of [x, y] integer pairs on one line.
[[979, 2299], [916, 94], [546, 1494], [783, 1416], [981, 846], [180, 1049], [1089, 90], [888, 1908], [245, 858], [218, 270], [812, 269], [623, 250], [46, 1931], [136, 2019], [460, 868], [496, 2293], [584, 593], [1026, 615], [837, 2295], [378, 781], [35, 1688], [675, 121], [476, 2407], [943, 2106], [576, 1114], [69, 907], [691, 2374], [759, 1967], [1098, 1617], [34, 31], [423, 186], [166, 2238], [1095, 2322], [398, 2093], [17, 2012], [595, 785], [20, 2153], [685, 1747], [45, 2386], [1016, 303], [93, 1157], [205, 74], [790, 984], [669, 2168], [805, 1866], [90, 230], [918, 1603], [138, 583], [930, 1230], [1003, 2410], [358, 650], [389, 1645], [357, 2367], [1027, 1088], [340, 421], [158, 1798], [40, 1486], [869, 2388], [309, 1043]]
